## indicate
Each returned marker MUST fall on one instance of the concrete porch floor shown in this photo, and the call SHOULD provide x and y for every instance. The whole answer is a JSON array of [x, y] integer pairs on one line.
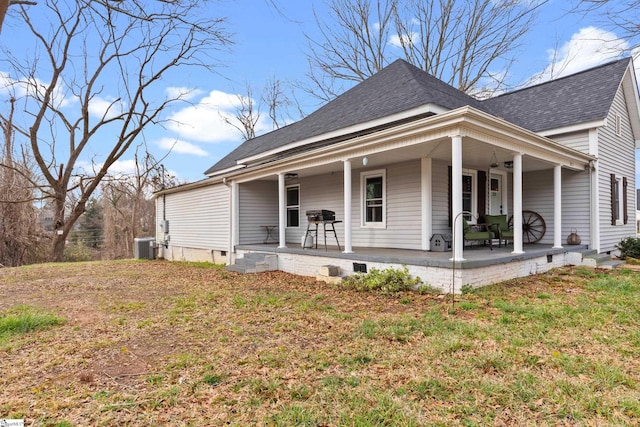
[[475, 256]]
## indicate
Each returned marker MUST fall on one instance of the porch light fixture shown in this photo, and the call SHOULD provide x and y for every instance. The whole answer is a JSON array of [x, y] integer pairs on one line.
[[365, 161], [494, 161], [509, 164], [290, 175]]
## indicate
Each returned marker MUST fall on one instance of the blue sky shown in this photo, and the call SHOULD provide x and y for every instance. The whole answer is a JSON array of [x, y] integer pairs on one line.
[[270, 43]]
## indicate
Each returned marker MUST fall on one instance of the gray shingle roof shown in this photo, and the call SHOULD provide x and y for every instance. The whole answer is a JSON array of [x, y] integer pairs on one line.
[[579, 98], [396, 88], [399, 87]]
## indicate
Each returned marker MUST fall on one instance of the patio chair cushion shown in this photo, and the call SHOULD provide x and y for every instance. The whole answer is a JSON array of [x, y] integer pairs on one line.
[[471, 234], [500, 226]]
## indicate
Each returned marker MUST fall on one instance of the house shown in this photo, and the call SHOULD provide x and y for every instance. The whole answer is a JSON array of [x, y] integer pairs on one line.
[[402, 157]]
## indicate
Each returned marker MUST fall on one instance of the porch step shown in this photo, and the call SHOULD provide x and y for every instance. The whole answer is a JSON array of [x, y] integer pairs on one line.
[[599, 260], [254, 262]]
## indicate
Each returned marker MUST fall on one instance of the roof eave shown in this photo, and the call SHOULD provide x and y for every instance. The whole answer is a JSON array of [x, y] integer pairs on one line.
[[423, 109], [459, 118]]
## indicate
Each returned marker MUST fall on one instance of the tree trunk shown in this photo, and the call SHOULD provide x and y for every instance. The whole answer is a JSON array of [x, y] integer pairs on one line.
[[57, 250]]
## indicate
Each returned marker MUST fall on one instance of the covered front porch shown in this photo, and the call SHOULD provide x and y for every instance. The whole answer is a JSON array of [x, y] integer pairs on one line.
[[408, 165]]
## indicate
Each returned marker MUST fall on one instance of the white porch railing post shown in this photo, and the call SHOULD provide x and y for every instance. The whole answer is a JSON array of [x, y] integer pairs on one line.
[[282, 212], [456, 197], [347, 207], [557, 206], [517, 204], [426, 203]]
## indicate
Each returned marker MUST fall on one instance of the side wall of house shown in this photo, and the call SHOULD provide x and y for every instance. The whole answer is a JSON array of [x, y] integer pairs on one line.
[[616, 155], [198, 223]]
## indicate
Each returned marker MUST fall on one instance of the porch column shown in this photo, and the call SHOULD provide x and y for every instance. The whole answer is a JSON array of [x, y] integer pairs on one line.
[[282, 211], [517, 204], [347, 207], [234, 232], [557, 206], [456, 197], [427, 203]]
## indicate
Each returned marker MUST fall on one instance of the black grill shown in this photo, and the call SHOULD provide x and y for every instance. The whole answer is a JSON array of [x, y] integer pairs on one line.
[[327, 219], [320, 215]]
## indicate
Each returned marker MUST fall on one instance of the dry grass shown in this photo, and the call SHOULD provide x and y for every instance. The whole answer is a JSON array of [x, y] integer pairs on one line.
[[157, 343]]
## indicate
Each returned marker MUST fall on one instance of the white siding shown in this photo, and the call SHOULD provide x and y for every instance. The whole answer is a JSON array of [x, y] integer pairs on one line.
[[258, 206], [616, 155], [319, 192], [197, 218], [538, 197], [440, 188], [403, 210], [576, 140]]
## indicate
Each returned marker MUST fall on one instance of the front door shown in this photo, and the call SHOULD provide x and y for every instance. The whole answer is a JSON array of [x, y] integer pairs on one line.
[[496, 189]]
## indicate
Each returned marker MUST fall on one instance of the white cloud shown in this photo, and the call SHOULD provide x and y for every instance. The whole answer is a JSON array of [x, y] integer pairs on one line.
[[205, 120], [182, 92], [182, 147], [32, 87], [106, 108], [118, 168], [396, 41], [589, 47]]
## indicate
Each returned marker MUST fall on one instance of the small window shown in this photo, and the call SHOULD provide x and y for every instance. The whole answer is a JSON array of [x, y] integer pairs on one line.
[[618, 200], [373, 189], [293, 206]]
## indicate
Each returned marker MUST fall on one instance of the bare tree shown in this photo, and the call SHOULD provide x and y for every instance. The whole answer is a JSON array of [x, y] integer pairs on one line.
[[97, 56], [128, 208], [623, 16], [246, 116], [20, 231], [457, 41], [4, 7], [277, 101]]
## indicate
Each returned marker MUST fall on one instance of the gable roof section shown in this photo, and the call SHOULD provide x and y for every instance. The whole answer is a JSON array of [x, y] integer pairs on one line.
[[396, 88], [579, 98]]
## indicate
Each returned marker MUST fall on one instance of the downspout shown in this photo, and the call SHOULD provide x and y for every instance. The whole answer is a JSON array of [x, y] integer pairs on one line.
[[231, 231]]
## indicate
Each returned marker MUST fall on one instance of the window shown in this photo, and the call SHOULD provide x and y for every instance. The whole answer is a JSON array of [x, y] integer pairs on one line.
[[293, 206], [618, 200], [470, 195], [373, 189]]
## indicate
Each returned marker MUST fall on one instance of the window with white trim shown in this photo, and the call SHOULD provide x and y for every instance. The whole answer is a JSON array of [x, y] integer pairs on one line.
[[618, 200], [470, 194], [373, 198], [293, 206]]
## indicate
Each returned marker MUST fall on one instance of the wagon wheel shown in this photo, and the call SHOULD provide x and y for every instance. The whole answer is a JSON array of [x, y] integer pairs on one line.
[[533, 226]]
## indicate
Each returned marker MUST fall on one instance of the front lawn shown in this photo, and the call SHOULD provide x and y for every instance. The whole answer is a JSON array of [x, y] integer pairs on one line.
[[159, 343]]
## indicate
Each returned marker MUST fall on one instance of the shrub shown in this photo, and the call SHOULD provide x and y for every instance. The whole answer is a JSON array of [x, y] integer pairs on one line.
[[387, 281], [466, 289], [629, 247]]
